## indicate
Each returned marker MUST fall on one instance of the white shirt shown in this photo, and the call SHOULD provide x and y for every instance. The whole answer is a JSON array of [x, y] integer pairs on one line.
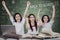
[[19, 27], [32, 32], [47, 26]]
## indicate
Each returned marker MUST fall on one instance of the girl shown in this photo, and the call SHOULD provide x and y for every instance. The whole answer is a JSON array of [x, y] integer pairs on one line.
[[17, 20], [47, 23], [32, 24]]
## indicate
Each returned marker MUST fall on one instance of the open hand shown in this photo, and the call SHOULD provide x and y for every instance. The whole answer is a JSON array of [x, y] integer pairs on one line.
[[28, 3]]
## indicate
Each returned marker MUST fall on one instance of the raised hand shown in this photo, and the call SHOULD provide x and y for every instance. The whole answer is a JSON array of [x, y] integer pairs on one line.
[[53, 7], [28, 3], [53, 13], [4, 5], [3, 2], [39, 11]]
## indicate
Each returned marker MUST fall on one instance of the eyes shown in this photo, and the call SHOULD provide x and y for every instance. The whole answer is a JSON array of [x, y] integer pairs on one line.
[[45, 17], [17, 15], [31, 17]]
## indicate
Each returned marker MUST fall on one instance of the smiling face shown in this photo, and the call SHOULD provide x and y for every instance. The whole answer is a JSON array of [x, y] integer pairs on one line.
[[45, 19], [32, 18], [17, 17]]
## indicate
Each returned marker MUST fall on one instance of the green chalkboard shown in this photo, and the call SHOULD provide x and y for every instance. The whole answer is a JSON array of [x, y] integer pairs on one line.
[[19, 6]]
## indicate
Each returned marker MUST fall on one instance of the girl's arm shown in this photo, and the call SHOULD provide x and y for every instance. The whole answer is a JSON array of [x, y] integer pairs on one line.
[[4, 5], [28, 4], [38, 18], [27, 24], [53, 14]]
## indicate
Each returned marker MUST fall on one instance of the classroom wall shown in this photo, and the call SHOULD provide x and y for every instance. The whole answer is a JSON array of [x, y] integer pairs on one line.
[[19, 6]]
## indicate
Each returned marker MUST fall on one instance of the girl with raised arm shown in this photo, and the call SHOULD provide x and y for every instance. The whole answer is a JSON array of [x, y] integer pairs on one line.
[[32, 24], [18, 21], [47, 23]]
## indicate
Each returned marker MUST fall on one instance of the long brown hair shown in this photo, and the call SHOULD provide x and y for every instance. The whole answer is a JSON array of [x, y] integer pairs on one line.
[[35, 23], [19, 15]]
